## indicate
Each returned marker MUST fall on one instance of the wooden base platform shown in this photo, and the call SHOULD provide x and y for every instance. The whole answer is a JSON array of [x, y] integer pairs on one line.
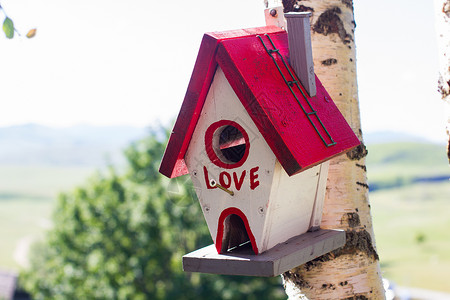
[[283, 257]]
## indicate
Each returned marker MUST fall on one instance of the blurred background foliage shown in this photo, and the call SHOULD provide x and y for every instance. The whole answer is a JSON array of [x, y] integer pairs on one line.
[[409, 188], [122, 236]]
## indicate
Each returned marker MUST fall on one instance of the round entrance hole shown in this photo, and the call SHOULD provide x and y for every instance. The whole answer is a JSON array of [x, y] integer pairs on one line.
[[227, 144]]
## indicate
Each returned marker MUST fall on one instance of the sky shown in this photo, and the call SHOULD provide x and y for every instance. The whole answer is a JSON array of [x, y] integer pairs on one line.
[[110, 62]]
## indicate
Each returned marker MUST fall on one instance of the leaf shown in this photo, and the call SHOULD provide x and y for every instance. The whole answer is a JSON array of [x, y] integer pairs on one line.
[[31, 33], [8, 28]]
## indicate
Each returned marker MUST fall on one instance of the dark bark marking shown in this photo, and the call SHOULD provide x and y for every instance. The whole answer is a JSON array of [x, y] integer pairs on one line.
[[348, 3], [446, 9], [356, 241], [329, 22], [362, 167], [288, 5], [329, 62], [328, 286], [302, 8], [357, 297], [364, 185], [324, 286], [358, 152], [295, 278], [343, 283], [352, 219], [293, 5], [448, 150], [443, 87]]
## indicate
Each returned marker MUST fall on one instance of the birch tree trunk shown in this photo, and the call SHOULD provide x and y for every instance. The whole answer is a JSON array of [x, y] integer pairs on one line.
[[443, 30], [352, 272]]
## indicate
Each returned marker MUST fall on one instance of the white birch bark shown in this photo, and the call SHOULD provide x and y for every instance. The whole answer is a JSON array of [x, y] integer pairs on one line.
[[443, 31], [352, 272]]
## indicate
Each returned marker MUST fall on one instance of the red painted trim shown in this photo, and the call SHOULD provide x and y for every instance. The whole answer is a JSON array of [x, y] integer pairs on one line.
[[260, 88], [173, 164], [238, 212], [209, 135], [239, 33]]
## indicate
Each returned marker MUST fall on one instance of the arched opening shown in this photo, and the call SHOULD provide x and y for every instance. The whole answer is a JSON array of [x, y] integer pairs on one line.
[[234, 234]]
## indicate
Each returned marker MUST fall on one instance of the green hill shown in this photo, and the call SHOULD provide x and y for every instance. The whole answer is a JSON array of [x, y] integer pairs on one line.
[[392, 165], [409, 196]]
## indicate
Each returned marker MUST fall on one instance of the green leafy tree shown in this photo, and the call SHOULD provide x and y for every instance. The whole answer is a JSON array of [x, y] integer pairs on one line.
[[123, 236]]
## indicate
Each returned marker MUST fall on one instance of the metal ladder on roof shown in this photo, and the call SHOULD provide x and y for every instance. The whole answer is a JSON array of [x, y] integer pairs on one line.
[[294, 82]]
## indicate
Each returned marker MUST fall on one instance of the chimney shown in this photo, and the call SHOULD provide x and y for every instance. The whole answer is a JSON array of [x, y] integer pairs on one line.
[[300, 51]]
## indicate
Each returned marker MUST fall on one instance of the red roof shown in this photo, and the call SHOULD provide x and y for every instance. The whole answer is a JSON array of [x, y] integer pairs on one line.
[[297, 142]]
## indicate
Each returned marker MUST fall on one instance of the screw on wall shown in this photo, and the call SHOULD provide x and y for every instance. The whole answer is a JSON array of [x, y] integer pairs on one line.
[[214, 183]]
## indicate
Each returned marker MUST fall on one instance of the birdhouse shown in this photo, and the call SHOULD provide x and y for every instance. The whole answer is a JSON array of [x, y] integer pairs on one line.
[[255, 133]]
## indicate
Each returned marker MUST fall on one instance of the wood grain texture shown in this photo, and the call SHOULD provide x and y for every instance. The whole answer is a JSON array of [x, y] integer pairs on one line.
[[279, 259], [316, 217], [291, 204]]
